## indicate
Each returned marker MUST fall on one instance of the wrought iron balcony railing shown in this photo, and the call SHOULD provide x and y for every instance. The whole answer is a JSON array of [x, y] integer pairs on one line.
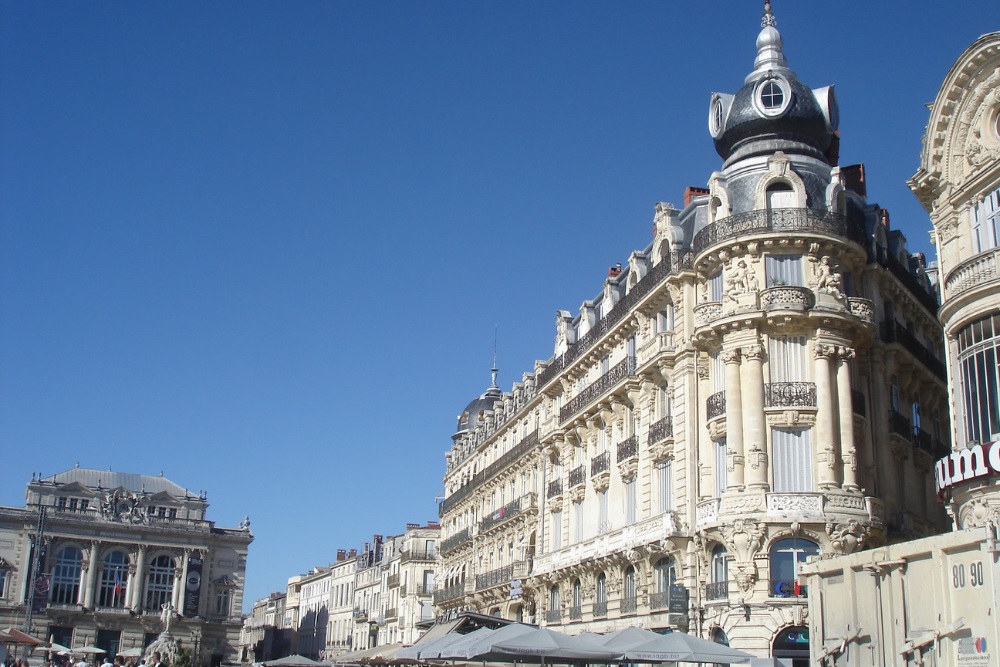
[[661, 430], [553, 615], [508, 511], [659, 600], [501, 575], [899, 425], [455, 592], [927, 299], [628, 448], [459, 538], [894, 332], [672, 263], [715, 404], [528, 443], [575, 613], [790, 394], [763, 221], [628, 605], [600, 463], [717, 590], [601, 608], [623, 369], [577, 476], [555, 489]]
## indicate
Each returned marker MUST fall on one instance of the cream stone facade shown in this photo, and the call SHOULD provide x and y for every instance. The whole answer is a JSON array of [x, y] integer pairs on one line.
[[959, 184], [339, 636], [762, 383], [115, 557]]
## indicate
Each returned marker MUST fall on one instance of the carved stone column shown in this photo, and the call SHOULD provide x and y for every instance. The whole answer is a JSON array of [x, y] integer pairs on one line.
[[135, 585], [90, 580], [826, 436], [734, 419], [848, 452], [179, 590], [754, 423]]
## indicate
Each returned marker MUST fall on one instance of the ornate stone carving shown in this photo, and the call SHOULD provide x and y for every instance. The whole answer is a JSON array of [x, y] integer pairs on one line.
[[740, 280], [122, 506], [976, 513], [793, 502], [745, 575], [742, 503], [846, 538], [743, 538]]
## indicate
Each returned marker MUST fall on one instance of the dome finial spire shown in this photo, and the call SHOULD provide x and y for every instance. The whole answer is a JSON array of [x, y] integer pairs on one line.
[[493, 371], [768, 21]]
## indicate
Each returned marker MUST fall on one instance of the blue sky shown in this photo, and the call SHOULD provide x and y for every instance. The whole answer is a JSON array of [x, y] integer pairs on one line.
[[263, 247]]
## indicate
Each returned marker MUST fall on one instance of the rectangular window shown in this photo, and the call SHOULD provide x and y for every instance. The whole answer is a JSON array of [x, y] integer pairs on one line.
[[630, 502], [578, 522], [222, 602], [721, 473], [787, 358], [716, 286], [718, 372], [664, 470], [792, 460], [556, 531], [784, 270], [986, 223], [603, 522]]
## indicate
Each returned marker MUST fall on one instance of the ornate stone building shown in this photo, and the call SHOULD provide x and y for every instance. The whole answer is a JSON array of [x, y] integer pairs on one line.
[[760, 384], [959, 184], [114, 554]]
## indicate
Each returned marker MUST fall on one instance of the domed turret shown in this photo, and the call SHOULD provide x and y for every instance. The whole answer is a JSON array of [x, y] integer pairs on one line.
[[774, 110], [476, 409]]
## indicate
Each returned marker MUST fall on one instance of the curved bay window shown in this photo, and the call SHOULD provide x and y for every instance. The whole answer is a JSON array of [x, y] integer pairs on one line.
[[665, 576], [66, 576], [601, 596], [718, 587], [628, 604], [977, 360], [113, 591], [160, 583], [786, 556]]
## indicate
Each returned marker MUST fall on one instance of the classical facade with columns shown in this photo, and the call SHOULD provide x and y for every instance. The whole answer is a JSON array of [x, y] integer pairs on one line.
[[117, 557], [760, 384]]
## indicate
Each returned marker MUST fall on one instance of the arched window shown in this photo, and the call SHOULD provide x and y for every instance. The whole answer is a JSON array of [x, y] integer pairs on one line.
[[786, 556], [160, 583], [66, 576], [718, 587], [554, 612], [665, 577], [629, 591], [780, 195], [574, 611], [601, 596], [112, 591]]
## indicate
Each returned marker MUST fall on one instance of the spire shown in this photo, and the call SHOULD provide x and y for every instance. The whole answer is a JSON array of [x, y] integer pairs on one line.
[[493, 371], [769, 55]]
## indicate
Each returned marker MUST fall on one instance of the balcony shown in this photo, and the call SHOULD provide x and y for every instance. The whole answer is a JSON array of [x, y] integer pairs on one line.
[[894, 332], [360, 615], [616, 541], [502, 575], [529, 442], [790, 394], [787, 297], [902, 273], [899, 425], [668, 265], [706, 313], [628, 605], [595, 390], [456, 540], [391, 613], [707, 512], [659, 600], [627, 448], [577, 476], [715, 405], [601, 608], [392, 581], [418, 554], [555, 489], [661, 430], [973, 272], [717, 590], [600, 463], [553, 615], [763, 221], [455, 592], [575, 613], [504, 514], [786, 588]]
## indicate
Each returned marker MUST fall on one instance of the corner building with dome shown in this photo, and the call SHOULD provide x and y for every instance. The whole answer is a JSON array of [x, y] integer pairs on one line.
[[762, 383]]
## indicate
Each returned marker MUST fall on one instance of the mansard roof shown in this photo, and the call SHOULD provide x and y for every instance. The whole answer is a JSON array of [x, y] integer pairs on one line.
[[110, 479]]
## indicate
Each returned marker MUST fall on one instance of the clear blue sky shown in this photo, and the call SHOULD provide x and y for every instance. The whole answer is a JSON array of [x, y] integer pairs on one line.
[[262, 247]]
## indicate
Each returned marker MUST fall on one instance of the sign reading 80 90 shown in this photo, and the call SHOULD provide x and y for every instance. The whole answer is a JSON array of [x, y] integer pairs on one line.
[[962, 576]]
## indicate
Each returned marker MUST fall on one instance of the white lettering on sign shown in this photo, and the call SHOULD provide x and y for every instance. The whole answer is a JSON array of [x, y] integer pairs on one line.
[[972, 463]]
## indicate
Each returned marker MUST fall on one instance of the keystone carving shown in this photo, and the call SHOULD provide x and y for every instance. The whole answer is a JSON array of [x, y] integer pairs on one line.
[[846, 538], [743, 538]]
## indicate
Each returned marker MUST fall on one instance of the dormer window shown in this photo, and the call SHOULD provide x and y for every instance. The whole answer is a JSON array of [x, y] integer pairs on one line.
[[772, 97]]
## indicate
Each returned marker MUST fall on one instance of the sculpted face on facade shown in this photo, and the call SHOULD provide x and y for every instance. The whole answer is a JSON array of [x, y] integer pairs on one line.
[[714, 416]]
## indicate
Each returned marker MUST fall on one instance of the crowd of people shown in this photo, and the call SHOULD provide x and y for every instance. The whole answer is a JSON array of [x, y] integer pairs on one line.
[[65, 660]]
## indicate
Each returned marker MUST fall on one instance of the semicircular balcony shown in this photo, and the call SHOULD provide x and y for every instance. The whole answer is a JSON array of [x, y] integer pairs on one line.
[[778, 221]]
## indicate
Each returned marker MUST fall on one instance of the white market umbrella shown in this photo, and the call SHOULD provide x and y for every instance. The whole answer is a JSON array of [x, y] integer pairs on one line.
[[131, 652], [457, 649], [482, 649], [626, 638], [682, 647], [87, 650], [545, 644]]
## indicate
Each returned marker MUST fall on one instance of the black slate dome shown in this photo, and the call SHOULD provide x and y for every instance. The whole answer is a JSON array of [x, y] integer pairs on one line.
[[473, 412], [773, 110]]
